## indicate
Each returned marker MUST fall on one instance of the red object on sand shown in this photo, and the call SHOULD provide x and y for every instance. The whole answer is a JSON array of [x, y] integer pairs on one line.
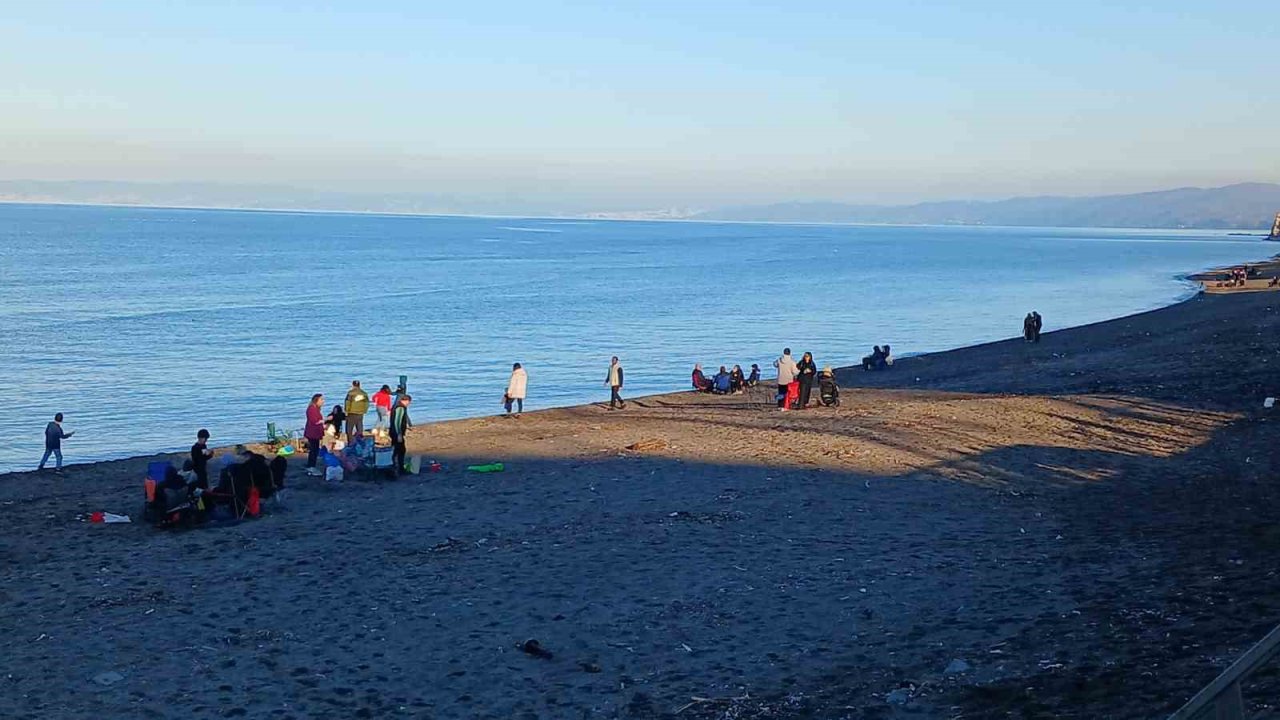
[[793, 394], [97, 517]]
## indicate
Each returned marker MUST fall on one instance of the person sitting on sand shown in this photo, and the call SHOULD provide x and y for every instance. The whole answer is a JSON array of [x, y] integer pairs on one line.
[[723, 382], [875, 360], [700, 381], [886, 361], [828, 390], [754, 378], [736, 379]]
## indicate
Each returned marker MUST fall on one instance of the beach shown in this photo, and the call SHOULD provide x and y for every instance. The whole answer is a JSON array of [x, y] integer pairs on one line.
[[1080, 528]]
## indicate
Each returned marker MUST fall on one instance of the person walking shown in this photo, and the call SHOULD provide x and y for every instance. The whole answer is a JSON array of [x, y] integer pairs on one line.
[[356, 405], [53, 437], [787, 372], [517, 388], [382, 404], [614, 380], [200, 454], [400, 425], [808, 373], [314, 431]]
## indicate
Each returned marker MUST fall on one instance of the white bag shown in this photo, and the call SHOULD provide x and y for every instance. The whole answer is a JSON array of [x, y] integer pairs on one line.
[[333, 473]]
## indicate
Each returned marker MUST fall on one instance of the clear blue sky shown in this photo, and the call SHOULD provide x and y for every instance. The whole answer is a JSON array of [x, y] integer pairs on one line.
[[637, 105]]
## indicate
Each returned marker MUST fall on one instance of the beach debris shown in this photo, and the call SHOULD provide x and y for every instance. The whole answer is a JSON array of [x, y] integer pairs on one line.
[[589, 667], [110, 677], [957, 666], [648, 445], [1269, 403], [104, 517], [686, 647], [534, 648], [695, 701], [901, 696], [487, 468]]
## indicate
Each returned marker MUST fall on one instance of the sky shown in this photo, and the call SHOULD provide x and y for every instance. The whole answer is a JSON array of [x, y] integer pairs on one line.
[[619, 106]]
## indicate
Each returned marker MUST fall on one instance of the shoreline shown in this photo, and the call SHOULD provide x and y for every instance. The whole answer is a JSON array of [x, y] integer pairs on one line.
[[1086, 524], [1191, 279]]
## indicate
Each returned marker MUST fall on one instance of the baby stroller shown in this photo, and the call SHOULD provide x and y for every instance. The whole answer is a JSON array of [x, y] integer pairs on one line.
[[828, 390]]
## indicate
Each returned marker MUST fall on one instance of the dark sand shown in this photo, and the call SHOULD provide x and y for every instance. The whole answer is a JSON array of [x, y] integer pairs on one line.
[[1088, 523]]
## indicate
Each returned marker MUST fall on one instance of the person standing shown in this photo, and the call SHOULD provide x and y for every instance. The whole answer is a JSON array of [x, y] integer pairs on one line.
[[808, 373], [53, 437], [200, 454], [314, 431], [787, 372], [356, 405], [1037, 322], [517, 388], [399, 430], [614, 380], [382, 404]]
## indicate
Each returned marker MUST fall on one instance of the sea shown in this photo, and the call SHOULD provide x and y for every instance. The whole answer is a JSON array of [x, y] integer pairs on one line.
[[143, 325]]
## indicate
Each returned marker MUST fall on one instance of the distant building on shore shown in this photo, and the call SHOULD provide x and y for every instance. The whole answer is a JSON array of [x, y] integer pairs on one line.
[[1275, 228]]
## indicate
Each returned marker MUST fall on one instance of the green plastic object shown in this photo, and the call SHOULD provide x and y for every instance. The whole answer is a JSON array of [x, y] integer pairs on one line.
[[285, 451], [491, 467]]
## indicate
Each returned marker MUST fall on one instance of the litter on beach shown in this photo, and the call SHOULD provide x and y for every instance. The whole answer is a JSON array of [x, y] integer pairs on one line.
[[487, 468], [108, 518]]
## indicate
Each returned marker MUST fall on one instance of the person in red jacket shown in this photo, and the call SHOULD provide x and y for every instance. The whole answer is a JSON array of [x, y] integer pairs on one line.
[[314, 431], [382, 404]]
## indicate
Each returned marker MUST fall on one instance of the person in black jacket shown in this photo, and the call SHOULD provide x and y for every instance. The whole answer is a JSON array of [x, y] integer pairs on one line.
[[200, 454], [1037, 322], [399, 430], [808, 372]]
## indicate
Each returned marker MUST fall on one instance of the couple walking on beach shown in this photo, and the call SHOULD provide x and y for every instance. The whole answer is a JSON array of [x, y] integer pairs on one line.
[[795, 380]]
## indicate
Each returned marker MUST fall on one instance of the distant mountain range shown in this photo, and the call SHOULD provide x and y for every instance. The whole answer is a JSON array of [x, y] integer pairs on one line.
[[1248, 206], [1245, 206]]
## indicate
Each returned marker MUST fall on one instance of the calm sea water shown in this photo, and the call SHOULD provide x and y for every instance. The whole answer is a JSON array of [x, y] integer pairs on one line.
[[144, 325]]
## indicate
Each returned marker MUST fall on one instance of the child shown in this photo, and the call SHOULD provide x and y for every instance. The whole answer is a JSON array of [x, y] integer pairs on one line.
[[754, 379], [337, 419]]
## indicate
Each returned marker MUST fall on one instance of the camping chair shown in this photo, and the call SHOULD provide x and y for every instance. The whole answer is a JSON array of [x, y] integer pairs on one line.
[[279, 438]]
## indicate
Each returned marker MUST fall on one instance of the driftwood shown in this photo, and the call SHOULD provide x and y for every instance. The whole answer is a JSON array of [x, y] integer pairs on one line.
[[695, 701], [648, 445]]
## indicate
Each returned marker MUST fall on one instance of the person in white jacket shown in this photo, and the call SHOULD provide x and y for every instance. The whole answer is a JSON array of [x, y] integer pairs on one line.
[[517, 386], [787, 373]]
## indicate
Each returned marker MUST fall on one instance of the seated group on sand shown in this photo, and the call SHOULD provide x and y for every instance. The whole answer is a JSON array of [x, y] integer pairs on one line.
[[187, 498], [726, 381], [879, 359]]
